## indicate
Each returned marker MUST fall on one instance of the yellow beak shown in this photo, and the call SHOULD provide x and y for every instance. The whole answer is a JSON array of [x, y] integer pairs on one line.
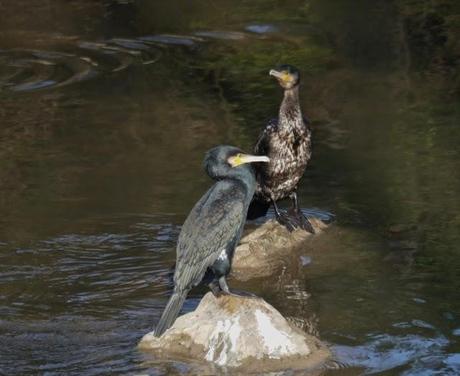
[[240, 159], [283, 76]]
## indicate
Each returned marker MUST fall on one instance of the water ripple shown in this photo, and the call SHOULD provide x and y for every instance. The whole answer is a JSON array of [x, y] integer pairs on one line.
[[25, 70], [418, 354], [93, 272]]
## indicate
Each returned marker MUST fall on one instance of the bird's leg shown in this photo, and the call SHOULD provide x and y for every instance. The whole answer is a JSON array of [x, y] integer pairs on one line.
[[226, 291], [287, 221], [223, 286], [215, 288], [295, 211]]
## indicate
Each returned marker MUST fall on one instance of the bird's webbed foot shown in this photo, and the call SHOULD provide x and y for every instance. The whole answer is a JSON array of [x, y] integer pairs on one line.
[[288, 221], [220, 287], [301, 220], [295, 212], [285, 219]]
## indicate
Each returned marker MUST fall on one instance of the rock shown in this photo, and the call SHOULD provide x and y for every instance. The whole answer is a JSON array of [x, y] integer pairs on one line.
[[239, 333], [264, 249]]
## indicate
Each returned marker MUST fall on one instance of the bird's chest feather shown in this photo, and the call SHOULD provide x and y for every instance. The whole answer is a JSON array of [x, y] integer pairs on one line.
[[289, 153]]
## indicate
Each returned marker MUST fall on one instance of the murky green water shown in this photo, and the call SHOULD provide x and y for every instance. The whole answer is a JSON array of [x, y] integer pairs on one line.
[[106, 109]]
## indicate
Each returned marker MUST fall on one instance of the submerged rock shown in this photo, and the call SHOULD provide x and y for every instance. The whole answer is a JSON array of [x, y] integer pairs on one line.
[[238, 332], [261, 251]]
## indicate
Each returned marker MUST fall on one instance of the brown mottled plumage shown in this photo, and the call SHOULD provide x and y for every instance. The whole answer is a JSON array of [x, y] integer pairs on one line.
[[286, 140]]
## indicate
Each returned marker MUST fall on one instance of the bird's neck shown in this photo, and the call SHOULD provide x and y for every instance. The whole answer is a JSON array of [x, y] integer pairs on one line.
[[290, 114], [246, 179]]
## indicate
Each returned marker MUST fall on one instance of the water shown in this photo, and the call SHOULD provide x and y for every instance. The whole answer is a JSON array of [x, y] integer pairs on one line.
[[106, 110]]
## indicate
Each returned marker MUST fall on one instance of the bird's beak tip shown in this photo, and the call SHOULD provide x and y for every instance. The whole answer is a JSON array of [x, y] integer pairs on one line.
[[256, 158]]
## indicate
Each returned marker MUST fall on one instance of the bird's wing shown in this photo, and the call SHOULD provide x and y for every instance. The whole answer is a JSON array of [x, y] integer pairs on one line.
[[262, 145], [213, 224]]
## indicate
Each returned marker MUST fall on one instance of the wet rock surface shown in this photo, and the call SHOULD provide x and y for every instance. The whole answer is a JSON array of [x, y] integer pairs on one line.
[[238, 333], [263, 250]]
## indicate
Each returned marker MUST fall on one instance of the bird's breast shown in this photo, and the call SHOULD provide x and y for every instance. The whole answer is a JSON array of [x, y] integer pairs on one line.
[[289, 154]]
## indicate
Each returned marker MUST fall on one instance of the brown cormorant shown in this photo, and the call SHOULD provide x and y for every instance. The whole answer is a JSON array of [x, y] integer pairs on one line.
[[286, 140], [213, 228]]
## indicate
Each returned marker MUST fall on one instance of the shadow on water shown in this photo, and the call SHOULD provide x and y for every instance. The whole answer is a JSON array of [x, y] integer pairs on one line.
[[106, 110]]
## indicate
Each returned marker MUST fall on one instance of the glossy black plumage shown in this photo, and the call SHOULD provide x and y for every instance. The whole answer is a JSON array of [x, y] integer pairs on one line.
[[286, 140], [213, 228]]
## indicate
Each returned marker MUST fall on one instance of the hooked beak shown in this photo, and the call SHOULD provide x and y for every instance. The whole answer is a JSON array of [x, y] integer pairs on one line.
[[240, 159], [276, 74]]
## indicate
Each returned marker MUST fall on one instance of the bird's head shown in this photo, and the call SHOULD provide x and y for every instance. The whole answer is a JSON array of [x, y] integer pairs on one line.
[[225, 161], [287, 76]]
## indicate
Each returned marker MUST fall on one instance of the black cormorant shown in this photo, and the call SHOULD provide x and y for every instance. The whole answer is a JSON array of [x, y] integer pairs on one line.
[[213, 228], [286, 140]]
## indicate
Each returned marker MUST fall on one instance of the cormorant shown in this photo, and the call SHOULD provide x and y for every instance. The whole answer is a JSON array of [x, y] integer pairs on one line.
[[286, 140], [213, 228]]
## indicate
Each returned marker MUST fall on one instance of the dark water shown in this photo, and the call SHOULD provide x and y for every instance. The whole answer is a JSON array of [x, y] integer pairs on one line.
[[106, 109]]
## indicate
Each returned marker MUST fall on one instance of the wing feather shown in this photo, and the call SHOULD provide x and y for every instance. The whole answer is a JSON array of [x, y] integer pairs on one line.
[[262, 146], [212, 225]]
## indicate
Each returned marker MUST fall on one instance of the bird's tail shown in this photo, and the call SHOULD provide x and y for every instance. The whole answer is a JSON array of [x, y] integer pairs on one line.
[[171, 311], [257, 209]]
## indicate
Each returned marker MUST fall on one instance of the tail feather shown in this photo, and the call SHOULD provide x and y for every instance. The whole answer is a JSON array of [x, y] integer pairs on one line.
[[257, 209], [171, 312]]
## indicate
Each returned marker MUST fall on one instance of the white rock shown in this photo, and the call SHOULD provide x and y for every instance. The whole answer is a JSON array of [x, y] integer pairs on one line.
[[238, 332]]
